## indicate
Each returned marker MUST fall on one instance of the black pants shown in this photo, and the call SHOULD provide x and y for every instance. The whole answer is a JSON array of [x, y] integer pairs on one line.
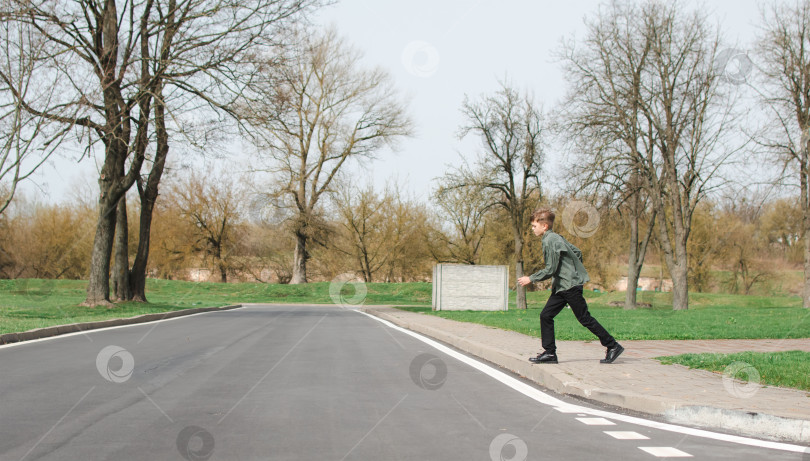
[[556, 302]]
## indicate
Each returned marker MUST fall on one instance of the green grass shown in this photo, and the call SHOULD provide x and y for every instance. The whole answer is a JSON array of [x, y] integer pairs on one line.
[[28, 304], [710, 316], [781, 281], [783, 369]]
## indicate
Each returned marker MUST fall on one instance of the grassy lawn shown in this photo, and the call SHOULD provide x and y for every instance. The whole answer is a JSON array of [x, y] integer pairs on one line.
[[783, 369], [28, 304], [710, 316]]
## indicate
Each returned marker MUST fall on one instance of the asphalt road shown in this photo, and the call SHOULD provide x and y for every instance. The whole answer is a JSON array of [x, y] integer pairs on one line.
[[293, 383]]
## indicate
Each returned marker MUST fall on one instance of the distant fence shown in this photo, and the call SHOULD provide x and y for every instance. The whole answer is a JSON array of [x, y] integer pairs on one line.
[[467, 287]]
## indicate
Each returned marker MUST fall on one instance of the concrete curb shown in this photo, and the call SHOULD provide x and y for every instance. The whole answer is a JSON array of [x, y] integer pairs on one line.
[[9, 338], [742, 422]]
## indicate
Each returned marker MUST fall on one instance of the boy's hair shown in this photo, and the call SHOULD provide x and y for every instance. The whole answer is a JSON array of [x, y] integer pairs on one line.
[[544, 215]]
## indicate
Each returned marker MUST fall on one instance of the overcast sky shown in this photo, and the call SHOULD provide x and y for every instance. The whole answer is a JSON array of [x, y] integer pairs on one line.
[[437, 51]]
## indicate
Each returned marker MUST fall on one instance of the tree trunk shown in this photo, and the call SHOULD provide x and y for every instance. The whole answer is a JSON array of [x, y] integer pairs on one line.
[[121, 287], [638, 251], [633, 268], [675, 258], [680, 288], [804, 172], [137, 279], [806, 300], [299, 274], [520, 293], [98, 286], [223, 272], [148, 197], [679, 273]]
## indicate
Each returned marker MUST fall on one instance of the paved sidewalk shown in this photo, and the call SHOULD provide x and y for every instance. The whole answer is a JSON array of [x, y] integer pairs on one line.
[[636, 381]]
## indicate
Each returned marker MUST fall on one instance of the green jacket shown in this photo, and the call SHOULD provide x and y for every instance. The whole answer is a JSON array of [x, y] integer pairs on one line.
[[563, 262]]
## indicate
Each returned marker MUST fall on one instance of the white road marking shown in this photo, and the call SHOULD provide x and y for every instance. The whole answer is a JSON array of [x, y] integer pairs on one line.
[[596, 421], [565, 407], [626, 435], [666, 452]]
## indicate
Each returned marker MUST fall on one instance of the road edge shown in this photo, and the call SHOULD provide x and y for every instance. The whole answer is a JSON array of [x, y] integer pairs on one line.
[[56, 330]]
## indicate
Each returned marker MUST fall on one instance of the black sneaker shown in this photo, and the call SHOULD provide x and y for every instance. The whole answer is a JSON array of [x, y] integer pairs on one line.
[[612, 353], [545, 357]]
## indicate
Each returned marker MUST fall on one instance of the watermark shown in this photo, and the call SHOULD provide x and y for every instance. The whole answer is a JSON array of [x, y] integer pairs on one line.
[[508, 447], [124, 370], [265, 209], [340, 287], [572, 218], [420, 58], [741, 380], [428, 371], [195, 443], [733, 65], [36, 290]]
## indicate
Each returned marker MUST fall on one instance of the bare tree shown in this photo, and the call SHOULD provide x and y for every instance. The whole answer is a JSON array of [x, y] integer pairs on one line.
[[784, 49], [92, 52], [663, 100], [111, 61], [202, 72], [211, 203], [464, 210], [510, 128], [26, 141], [691, 112], [366, 227], [782, 227], [602, 120], [315, 116]]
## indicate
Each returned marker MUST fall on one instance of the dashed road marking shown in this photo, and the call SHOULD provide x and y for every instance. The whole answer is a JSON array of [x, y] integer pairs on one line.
[[666, 452], [596, 421], [626, 435]]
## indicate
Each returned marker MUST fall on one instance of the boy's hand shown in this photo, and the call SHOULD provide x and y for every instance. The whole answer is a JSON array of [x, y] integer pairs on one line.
[[523, 281]]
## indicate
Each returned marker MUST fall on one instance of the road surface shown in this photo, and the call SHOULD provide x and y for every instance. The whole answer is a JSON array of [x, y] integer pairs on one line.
[[294, 383]]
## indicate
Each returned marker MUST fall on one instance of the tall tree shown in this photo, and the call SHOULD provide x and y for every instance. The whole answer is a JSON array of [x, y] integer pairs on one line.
[[602, 118], [92, 50], [316, 115], [784, 49], [510, 128], [663, 100], [691, 111], [204, 57], [110, 60]]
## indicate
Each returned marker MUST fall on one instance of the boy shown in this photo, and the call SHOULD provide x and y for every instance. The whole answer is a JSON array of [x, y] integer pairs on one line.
[[564, 264]]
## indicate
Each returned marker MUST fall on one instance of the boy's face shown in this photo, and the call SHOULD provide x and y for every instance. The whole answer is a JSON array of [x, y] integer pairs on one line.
[[539, 228]]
